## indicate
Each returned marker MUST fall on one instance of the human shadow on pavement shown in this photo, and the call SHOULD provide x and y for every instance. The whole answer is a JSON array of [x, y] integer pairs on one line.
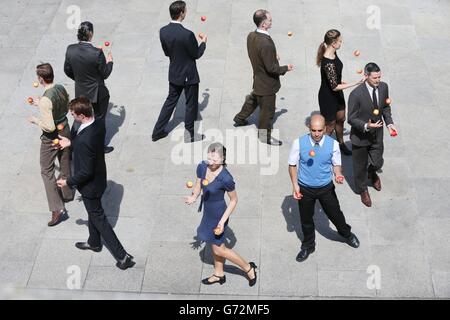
[[293, 224], [180, 110], [347, 170], [206, 255], [111, 201], [254, 117], [115, 118]]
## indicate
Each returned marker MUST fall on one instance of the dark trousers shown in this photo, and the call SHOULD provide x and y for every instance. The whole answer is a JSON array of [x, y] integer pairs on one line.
[[191, 94], [267, 110], [366, 160], [330, 204], [101, 106], [99, 226]]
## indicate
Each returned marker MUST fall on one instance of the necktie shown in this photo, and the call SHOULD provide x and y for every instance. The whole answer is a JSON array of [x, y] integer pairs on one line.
[[374, 98]]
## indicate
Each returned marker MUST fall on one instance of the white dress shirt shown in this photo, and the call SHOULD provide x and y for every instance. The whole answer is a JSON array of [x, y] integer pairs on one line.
[[294, 155], [85, 125], [370, 88], [263, 31]]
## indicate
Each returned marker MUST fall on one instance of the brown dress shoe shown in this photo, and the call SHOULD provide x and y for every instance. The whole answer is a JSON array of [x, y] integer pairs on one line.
[[376, 181], [365, 198], [56, 216]]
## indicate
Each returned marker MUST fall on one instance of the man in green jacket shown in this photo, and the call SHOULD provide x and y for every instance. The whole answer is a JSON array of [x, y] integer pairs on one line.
[[52, 120], [266, 78]]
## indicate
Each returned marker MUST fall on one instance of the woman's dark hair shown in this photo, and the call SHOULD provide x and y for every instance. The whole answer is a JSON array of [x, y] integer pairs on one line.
[[85, 31], [330, 37], [371, 67], [45, 71], [176, 9], [218, 148]]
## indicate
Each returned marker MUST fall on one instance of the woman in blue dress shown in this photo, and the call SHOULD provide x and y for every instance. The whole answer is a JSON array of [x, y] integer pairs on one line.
[[214, 180]]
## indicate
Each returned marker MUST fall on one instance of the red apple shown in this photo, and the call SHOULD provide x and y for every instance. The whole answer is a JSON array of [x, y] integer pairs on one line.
[[30, 100], [106, 43], [203, 18], [394, 133]]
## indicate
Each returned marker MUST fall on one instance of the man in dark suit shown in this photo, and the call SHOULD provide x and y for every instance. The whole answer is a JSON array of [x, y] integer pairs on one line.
[[88, 67], [181, 46], [266, 78], [367, 106], [90, 179]]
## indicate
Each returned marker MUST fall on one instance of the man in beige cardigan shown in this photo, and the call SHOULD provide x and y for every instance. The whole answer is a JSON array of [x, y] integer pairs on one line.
[[266, 78]]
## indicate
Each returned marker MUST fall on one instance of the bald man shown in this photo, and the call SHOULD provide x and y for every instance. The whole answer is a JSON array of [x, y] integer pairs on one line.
[[313, 160]]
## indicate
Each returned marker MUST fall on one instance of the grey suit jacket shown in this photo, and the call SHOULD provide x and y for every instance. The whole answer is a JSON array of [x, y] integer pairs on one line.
[[360, 110]]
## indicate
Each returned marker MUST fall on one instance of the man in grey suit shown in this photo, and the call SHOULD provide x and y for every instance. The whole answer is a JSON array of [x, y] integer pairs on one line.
[[367, 106]]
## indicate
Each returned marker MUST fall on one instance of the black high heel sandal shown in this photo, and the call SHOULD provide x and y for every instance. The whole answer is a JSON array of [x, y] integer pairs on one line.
[[221, 280], [252, 282]]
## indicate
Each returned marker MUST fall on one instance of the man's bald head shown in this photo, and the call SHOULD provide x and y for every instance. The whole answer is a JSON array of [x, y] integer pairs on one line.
[[317, 127], [317, 120]]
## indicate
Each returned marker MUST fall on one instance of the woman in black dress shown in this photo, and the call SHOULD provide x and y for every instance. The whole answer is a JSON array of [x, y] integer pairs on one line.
[[331, 95]]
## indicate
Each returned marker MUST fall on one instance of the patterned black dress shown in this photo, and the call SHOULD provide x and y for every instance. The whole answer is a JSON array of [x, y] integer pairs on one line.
[[330, 101]]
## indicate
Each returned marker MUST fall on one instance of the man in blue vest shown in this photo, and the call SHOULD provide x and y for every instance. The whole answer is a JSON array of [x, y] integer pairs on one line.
[[312, 161]]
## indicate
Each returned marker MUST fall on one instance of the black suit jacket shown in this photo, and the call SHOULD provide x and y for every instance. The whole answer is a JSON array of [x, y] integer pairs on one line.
[[89, 161], [181, 46], [360, 110], [87, 65]]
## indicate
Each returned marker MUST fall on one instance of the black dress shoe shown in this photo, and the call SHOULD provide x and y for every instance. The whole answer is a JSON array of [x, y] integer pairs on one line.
[[220, 280], [352, 241], [108, 149], [271, 141], [240, 123], [304, 254], [86, 246], [344, 149], [159, 136], [127, 263], [252, 282]]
